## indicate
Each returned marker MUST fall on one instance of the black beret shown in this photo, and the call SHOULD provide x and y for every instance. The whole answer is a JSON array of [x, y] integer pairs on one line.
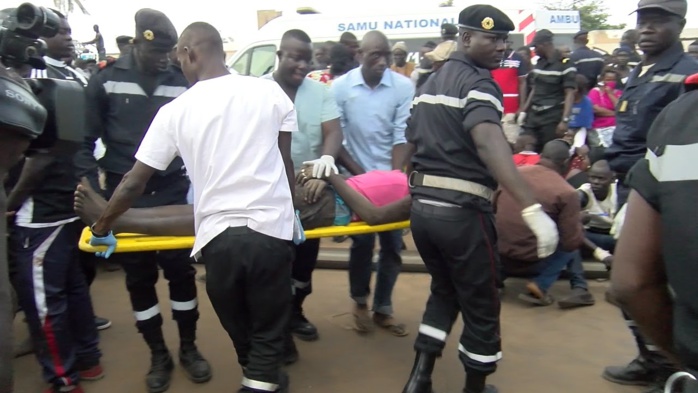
[[449, 29], [542, 37], [485, 18], [581, 33], [155, 28]]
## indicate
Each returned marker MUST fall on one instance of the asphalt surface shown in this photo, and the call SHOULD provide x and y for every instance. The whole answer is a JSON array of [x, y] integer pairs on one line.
[[545, 349]]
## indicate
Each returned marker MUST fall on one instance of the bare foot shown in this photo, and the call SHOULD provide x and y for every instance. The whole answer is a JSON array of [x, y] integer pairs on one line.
[[88, 204]]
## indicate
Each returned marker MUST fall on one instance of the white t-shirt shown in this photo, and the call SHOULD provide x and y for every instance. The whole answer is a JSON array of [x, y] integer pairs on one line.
[[226, 130], [602, 212]]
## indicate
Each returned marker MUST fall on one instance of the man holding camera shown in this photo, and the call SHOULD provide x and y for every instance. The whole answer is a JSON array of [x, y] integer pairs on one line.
[[124, 98], [50, 284]]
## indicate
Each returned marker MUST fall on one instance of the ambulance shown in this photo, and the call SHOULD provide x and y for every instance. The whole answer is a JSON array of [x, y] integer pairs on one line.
[[257, 56]]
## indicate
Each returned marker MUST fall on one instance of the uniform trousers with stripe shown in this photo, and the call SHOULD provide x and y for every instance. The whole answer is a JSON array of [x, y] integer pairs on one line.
[[247, 280], [458, 247], [543, 125], [302, 270], [54, 295], [651, 353], [141, 268]]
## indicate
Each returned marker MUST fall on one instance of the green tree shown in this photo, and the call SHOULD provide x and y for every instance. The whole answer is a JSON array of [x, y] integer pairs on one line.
[[68, 6], [593, 13]]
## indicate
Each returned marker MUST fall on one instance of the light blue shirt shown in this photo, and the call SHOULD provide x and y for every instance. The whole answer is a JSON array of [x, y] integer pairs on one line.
[[373, 119], [315, 105]]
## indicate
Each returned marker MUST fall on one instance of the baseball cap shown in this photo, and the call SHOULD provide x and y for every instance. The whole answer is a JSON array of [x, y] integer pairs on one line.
[[676, 7]]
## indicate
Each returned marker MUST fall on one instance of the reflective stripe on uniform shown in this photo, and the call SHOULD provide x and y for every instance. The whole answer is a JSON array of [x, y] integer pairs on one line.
[[590, 60], [672, 165], [480, 358], [169, 91], [184, 306], [300, 284], [460, 103], [259, 385], [554, 73], [113, 87], [668, 78], [147, 314], [433, 332]]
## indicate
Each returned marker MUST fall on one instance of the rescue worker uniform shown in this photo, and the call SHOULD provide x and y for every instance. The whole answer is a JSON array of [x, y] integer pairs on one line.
[[649, 90], [50, 281], [673, 139], [588, 62], [549, 79], [452, 191], [124, 102]]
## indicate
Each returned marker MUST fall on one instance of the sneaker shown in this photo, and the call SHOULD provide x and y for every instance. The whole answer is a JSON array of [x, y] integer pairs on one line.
[[102, 323], [579, 297], [91, 374], [635, 373]]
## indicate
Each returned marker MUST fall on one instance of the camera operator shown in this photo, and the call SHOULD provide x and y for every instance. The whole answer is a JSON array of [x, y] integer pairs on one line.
[[58, 47], [22, 119]]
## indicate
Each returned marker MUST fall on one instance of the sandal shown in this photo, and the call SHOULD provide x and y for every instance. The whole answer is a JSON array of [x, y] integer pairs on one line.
[[362, 319], [387, 322]]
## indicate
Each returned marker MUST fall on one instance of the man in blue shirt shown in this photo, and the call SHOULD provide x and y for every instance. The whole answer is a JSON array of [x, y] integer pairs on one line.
[[318, 140], [374, 103]]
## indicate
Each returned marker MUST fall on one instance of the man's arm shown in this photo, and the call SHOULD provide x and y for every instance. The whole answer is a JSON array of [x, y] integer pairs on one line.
[[410, 148], [332, 136], [347, 161], [285, 139], [569, 84], [402, 114], [569, 102], [368, 212], [97, 103], [131, 187], [639, 278], [33, 173]]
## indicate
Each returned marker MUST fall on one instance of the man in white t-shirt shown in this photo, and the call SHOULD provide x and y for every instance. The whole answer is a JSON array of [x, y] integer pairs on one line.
[[234, 135]]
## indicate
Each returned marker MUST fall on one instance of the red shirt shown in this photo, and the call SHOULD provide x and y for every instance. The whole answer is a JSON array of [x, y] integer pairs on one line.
[[507, 77], [526, 158]]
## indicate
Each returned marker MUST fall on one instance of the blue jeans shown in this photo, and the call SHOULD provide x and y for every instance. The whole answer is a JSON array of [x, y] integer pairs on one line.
[[389, 264], [552, 266], [607, 242]]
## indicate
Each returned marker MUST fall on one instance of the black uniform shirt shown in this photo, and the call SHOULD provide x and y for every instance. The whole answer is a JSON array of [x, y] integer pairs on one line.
[[454, 100], [121, 106], [667, 178], [550, 78], [52, 200], [642, 100], [588, 63]]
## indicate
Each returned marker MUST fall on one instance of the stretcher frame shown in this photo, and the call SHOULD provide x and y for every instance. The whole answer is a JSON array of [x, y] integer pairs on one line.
[[133, 242]]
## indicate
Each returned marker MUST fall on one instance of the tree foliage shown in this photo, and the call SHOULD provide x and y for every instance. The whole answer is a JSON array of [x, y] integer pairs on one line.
[[68, 6], [594, 14]]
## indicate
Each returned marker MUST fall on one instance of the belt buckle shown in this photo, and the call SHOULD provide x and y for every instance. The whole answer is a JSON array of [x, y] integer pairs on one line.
[[410, 178]]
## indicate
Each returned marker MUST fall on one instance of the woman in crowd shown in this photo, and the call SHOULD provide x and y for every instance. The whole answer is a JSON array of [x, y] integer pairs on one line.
[[604, 98]]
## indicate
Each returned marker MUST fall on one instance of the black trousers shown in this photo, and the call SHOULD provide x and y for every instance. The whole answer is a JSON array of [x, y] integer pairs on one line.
[[543, 125], [302, 270], [247, 280], [458, 246], [142, 274]]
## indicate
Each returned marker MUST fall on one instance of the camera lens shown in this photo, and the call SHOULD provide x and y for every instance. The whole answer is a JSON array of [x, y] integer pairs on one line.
[[37, 21]]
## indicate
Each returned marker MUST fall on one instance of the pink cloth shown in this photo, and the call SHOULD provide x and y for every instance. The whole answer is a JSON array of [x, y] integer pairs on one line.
[[381, 187], [601, 99]]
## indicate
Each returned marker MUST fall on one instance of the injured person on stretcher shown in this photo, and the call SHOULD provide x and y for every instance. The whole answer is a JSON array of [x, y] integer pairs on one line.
[[375, 197]]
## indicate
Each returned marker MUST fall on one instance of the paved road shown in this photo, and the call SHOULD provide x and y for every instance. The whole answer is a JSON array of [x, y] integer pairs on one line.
[[545, 350]]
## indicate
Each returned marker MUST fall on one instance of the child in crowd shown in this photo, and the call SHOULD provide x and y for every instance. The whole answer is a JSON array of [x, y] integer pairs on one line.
[[580, 125], [524, 150]]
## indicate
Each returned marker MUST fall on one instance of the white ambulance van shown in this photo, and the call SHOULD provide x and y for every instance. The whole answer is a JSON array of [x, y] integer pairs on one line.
[[258, 57]]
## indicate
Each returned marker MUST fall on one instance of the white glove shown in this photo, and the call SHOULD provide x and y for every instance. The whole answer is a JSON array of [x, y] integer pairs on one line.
[[600, 254], [522, 119], [323, 165], [543, 227]]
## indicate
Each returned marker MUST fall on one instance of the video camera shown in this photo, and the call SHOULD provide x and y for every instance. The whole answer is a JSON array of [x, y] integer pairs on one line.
[[19, 35]]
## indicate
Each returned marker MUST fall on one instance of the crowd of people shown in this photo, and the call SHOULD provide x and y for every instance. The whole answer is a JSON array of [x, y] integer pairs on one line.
[[529, 158]]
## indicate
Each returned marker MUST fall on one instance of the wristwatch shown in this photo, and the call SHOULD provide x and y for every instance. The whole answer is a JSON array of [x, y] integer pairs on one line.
[[565, 119], [92, 229]]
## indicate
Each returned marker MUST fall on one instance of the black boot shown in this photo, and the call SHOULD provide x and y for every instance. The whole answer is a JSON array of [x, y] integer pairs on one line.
[[161, 366], [300, 326], [475, 383], [197, 368], [420, 378], [637, 372]]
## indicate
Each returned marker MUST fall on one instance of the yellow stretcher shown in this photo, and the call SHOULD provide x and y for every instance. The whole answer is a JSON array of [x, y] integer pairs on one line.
[[132, 242]]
